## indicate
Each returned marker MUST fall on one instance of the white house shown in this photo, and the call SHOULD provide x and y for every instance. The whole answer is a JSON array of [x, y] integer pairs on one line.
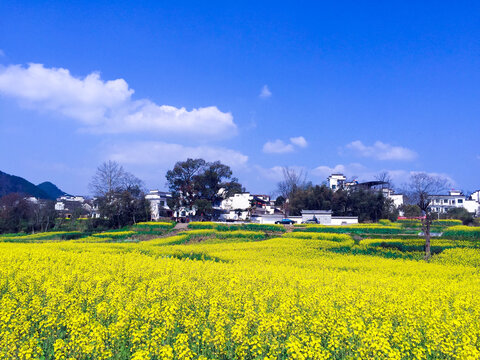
[[397, 199], [324, 217], [158, 204], [336, 181], [475, 196], [454, 199], [243, 205]]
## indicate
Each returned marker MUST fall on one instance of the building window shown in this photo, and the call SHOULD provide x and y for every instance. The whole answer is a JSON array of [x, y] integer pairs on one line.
[[460, 201], [445, 201]]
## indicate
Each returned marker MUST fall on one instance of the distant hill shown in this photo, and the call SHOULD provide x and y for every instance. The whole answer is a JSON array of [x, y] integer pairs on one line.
[[16, 184], [51, 190]]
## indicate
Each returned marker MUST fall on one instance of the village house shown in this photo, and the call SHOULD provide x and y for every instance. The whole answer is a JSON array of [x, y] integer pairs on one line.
[[68, 205], [339, 181], [441, 204], [243, 206], [159, 204]]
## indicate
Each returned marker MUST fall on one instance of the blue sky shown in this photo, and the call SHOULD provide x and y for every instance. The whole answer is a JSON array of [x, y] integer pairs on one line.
[[344, 87]]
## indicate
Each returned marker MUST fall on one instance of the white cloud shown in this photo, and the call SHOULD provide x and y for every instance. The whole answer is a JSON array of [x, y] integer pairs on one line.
[[162, 153], [107, 106], [382, 151], [274, 173], [280, 147], [299, 141], [349, 170], [265, 92], [277, 147]]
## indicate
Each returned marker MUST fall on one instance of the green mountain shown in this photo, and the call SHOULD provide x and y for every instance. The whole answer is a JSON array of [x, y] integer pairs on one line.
[[51, 190], [16, 184]]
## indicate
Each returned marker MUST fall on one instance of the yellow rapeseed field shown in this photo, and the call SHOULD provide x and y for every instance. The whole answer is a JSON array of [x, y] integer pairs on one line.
[[272, 299]]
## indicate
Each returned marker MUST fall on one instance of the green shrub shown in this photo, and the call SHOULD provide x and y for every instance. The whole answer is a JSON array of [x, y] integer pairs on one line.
[[446, 222], [115, 234], [385, 222], [357, 229], [318, 236], [253, 235], [235, 227], [409, 223], [44, 236], [437, 245]]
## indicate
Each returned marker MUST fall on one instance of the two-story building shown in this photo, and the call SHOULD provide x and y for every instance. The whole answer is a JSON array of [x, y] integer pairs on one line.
[[159, 204], [441, 204]]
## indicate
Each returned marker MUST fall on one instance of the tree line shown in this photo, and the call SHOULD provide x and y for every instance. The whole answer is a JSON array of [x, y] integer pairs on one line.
[[296, 194], [119, 198]]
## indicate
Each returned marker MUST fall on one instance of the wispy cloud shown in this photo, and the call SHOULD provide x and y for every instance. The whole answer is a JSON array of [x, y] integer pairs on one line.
[[162, 153], [381, 151], [265, 92], [107, 106], [280, 147]]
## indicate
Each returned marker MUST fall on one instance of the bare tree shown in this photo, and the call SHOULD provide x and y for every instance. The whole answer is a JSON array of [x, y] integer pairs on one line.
[[130, 182], [109, 177], [293, 180], [420, 190], [385, 177]]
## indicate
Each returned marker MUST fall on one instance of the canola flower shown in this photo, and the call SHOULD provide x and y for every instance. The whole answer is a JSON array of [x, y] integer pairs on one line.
[[319, 236], [446, 222], [437, 245], [50, 235], [154, 225], [281, 298], [353, 229], [114, 234], [464, 232], [200, 233]]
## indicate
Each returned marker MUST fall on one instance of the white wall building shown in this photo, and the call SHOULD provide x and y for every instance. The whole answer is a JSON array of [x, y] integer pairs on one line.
[[398, 199], [475, 196], [454, 199], [241, 201], [241, 206], [336, 181], [158, 204], [323, 216]]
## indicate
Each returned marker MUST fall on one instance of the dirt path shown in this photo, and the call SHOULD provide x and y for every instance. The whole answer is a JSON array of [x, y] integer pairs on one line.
[[181, 226]]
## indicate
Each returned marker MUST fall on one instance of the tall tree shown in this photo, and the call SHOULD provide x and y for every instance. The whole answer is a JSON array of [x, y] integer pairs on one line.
[[181, 181], [420, 189], [108, 178], [195, 179], [216, 182], [293, 180], [111, 177], [120, 195]]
